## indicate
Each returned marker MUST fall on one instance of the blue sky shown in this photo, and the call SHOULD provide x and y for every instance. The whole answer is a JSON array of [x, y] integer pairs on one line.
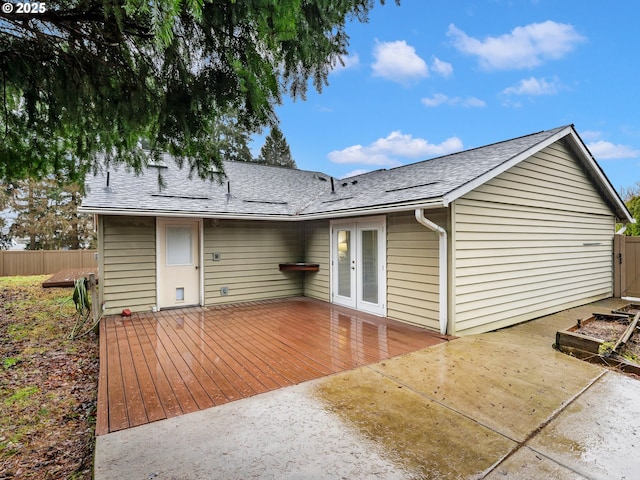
[[430, 78]]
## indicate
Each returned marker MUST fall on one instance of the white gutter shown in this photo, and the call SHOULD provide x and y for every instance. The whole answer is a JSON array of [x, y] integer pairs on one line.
[[429, 204], [622, 230], [442, 266]]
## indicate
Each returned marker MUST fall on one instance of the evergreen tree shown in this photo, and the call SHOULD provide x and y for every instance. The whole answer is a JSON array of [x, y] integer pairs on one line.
[[47, 215], [5, 239], [233, 140], [275, 150], [81, 79]]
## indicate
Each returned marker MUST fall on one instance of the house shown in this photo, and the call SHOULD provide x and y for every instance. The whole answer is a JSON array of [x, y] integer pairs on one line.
[[461, 244]]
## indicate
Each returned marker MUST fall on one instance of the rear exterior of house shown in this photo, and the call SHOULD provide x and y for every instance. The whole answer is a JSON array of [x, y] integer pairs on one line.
[[535, 240], [532, 236], [241, 263]]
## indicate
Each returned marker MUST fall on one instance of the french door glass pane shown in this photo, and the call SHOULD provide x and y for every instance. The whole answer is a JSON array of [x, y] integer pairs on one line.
[[369, 266], [344, 263], [178, 245]]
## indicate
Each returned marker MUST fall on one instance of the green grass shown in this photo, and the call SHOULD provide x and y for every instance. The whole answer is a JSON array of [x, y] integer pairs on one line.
[[21, 395]]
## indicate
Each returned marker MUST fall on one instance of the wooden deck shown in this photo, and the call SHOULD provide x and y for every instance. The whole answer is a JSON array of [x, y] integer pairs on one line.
[[160, 365]]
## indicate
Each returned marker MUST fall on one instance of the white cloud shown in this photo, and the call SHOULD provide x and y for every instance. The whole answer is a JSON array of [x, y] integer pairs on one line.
[[602, 149], [354, 173], [361, 155], [591, 135], [534, 87], [442, 99], [443, 69], [351, 61], [398, 62], [523, 47], [436, 100], [383, 152]]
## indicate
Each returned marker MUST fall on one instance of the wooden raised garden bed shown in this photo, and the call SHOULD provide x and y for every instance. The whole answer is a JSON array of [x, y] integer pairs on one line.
[[609, 339], [629, 310]]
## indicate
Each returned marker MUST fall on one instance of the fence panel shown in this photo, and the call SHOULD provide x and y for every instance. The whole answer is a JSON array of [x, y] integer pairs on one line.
[[632, 267], [44, 262]]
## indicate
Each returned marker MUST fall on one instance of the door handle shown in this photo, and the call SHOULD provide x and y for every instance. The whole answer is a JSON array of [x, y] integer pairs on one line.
[[196, 267]]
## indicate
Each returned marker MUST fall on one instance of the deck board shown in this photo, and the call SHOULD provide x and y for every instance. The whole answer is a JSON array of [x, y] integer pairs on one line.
[[160, 365], [169, 402], [235, 372]]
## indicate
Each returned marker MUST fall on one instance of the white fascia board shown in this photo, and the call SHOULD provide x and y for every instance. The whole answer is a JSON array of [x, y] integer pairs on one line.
[[181, 214], [431, 204], [602, 179], [484, 178], [403, 207]]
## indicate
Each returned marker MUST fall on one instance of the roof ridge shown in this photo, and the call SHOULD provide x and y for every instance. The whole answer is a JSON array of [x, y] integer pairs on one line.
[[255, 164], [489, 145], [399, 167]]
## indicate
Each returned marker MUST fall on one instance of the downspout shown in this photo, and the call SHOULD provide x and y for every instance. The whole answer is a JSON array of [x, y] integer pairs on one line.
[[442, 265]]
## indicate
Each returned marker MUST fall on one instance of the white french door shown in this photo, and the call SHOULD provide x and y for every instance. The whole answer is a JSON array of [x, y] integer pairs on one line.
[[358, 264]]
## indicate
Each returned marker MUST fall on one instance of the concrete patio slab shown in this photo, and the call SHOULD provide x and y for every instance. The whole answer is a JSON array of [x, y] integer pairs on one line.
[[422, 434], [510, 389], [598, 435], [284, 434], [530, 465]]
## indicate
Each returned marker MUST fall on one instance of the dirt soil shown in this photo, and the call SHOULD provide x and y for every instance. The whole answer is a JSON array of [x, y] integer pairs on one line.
[[605, 330], [48, 384], [611, 331]]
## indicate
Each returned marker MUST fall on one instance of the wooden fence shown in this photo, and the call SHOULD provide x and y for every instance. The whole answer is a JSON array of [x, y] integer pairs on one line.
[[44, 262], [626, 266]]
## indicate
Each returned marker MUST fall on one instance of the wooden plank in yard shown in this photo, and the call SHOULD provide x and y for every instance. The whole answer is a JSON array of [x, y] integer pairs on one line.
[[68, 276]]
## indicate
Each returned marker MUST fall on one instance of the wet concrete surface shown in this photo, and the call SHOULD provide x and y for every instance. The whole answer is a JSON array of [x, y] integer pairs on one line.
[[284, 434], [598, 435], [498, 406]]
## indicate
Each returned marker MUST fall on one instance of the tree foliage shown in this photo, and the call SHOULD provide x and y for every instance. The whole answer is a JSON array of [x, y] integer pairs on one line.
[[233, 141], [634, 207], [631, 197], [276, 151], [47, 215], [93, 76], [5, 239]]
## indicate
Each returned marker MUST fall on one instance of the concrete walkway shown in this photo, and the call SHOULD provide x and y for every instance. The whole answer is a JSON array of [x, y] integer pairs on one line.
[[497, 406]]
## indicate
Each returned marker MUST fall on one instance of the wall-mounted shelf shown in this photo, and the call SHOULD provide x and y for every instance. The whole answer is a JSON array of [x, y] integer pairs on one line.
[[299, 267]]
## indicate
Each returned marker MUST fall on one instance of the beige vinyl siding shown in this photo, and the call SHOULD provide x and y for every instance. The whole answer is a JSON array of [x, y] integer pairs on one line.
[[412, 269], [317, 250], [534, 240], [250, 252], [128, 263]]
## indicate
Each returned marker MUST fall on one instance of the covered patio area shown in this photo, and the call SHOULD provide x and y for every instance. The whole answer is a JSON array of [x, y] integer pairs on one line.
[[160, 365]]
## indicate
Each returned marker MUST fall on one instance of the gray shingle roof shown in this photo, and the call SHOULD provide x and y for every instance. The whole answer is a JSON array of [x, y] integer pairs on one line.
[[247, 189], [260, 191], [425, 180]]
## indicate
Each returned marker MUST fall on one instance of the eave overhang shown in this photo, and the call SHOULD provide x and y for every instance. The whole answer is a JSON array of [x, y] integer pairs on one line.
[[362, 211]]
